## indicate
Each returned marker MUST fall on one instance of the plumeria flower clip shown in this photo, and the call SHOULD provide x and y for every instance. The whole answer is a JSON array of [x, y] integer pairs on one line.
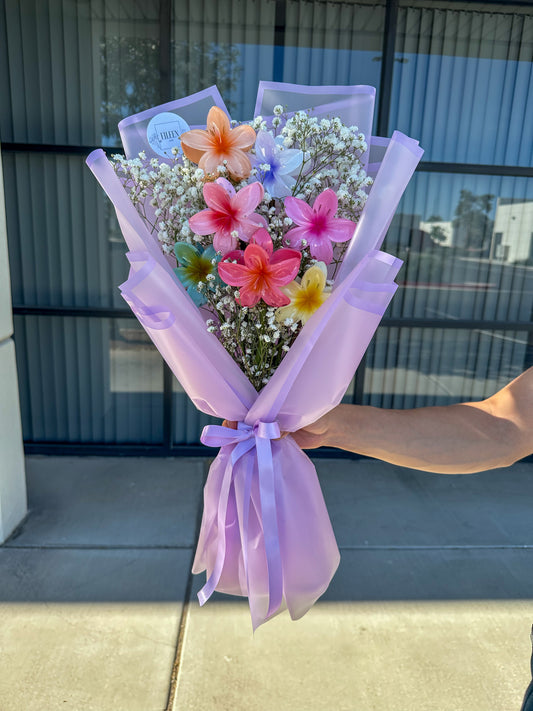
[[278, 179], [262, 238], [317, 225], [260, 272], [230, 214], [305, 297], [218, 143], [196, 264]]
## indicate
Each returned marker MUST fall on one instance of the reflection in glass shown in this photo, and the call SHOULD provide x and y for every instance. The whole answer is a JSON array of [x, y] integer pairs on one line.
[[330, 43], [67, 250], [318, 43], [73, 69], [463, 79], [420, 367], [467, 246], [129, 66], [333, 42], [88, 380], [215, 41]]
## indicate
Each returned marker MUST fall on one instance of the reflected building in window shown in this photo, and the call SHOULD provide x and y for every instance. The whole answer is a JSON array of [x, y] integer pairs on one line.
[[440, 231], [512, 239]]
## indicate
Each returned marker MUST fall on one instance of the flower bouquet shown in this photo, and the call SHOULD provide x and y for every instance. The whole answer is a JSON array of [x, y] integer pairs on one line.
[[256, 271]]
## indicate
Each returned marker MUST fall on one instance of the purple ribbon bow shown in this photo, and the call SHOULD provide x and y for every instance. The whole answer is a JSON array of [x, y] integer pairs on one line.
[[242, 440]]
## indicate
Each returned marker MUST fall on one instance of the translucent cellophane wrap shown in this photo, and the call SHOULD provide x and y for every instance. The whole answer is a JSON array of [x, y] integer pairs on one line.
[[265, 531]]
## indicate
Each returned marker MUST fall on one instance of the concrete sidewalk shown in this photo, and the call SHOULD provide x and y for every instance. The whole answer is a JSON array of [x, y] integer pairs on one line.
[[430, 610]]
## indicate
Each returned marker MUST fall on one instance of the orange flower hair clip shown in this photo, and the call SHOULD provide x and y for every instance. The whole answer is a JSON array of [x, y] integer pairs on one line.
[[218, 143]]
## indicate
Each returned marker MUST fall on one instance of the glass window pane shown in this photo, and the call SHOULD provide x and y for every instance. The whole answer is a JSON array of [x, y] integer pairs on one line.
[[463, 81], [417, 367], [467, 246], [236, 43], [72, 69], [65, 246], [224, 42], [333, 43], [88, 380]]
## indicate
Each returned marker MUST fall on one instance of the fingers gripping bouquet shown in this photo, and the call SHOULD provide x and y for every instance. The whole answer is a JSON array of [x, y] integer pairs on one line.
[[256, 271]]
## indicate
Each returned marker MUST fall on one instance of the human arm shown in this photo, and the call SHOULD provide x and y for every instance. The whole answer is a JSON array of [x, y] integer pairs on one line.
[[454, 439]]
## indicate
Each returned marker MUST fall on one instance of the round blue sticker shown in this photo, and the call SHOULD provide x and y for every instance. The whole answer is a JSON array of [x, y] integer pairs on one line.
[[164, 131]]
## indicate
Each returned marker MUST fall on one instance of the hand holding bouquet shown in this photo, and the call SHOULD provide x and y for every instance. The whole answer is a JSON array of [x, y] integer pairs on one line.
[[256, 272]]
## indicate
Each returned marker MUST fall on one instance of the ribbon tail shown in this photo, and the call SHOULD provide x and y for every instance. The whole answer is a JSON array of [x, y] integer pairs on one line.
[[245, 520], [210, 586], [270, 524]]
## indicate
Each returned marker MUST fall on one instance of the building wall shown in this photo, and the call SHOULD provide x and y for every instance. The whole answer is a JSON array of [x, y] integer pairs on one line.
[[12, 472], [457, 76]]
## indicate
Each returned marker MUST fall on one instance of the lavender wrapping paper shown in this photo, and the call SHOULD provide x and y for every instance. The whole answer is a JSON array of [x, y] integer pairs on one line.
[[265, 531]]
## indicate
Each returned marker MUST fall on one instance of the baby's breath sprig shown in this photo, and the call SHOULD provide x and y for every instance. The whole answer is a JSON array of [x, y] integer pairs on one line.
[[252, 336], [165, 195], [332, 158]]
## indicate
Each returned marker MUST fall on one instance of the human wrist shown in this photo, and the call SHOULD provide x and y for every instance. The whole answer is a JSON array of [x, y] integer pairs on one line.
[[332, 423], [341, 429]]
